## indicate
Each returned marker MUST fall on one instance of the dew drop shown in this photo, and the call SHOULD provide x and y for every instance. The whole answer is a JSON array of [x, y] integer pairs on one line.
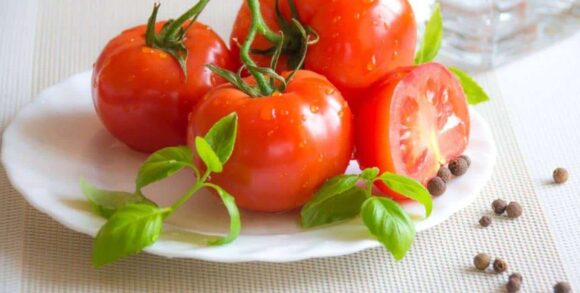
[[270, 133], [357, 15], [314, 108], [372, 63], [329, 91], [336, 19], [267, 114]]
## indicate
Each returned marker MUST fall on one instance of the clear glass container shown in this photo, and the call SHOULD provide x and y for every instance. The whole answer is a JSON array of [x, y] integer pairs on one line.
[[484, 33]]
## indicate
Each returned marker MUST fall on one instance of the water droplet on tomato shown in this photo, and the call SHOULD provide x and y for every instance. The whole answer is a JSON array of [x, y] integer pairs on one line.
[[329, 91], [314, 108], [372, 63], [357, 15], [267, 113], [336, 19], [270, 133], [320, 158], [395, 54]]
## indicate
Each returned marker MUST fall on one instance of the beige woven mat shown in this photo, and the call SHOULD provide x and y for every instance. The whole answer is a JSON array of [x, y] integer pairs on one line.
[[39, 255]]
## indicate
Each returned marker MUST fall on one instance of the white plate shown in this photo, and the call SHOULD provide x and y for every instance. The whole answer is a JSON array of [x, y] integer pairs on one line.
[[58, 138]]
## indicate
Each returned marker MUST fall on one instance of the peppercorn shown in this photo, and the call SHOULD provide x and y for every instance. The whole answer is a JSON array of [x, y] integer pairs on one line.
[[481, 261], [516, 276], [458, 166], [436, 186], [499, 265], [513, 285], [514, 210], [485, 221], [444, 174], [560, 175], [467, 159], [562, 287], [499, 206]]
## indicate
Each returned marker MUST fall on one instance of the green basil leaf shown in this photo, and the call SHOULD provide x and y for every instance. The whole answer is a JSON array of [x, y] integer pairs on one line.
[[340, 206], [409, 188], [392, 226], [431, 43], [332, 202], [127, 232], [235, 221], [163, 164], [474, 92], [207, 155], [369, 173], [106, 202], [222, 137]]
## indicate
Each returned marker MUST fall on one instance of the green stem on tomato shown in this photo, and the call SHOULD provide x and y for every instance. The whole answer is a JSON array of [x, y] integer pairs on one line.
[[257, 25], [173, 29]]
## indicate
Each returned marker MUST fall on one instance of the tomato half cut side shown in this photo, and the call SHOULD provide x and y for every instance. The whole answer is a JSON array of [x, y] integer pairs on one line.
[[413, 122]]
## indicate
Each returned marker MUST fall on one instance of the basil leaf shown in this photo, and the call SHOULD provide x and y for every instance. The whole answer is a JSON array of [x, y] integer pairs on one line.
[[369, 173], [207, 155], [222, 137], [127, 232], [341, 206], [409, 188], [332, 202], [431, 43], [474, 92], [235, 221], [106, 202], [387, 221], [163, 164]]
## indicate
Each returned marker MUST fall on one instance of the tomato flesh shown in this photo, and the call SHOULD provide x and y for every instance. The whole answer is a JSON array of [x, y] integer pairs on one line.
[[416, 120]]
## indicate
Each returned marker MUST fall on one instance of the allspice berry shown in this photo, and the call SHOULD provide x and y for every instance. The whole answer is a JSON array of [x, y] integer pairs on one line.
[[485, 221], [562, 287], [499, 265], [436, 186], [513, 285], [458, 166], [514, 210], [444, 174], [467, 159], [560, 175], [499, 206], [516, 276], [481, 261]]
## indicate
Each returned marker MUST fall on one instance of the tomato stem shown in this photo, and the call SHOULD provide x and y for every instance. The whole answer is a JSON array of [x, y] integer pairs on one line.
[[257, 25], [170, 38]]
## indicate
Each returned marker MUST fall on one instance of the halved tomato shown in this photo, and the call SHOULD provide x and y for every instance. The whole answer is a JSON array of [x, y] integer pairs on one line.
[[411, 123]]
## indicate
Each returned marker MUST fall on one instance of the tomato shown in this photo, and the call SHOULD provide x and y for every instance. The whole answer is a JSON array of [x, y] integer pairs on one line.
[[288, 144], [413, 122], [141, 93], [360, 40]]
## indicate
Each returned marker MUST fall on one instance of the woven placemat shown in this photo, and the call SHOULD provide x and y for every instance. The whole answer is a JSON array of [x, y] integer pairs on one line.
[[39, 255]]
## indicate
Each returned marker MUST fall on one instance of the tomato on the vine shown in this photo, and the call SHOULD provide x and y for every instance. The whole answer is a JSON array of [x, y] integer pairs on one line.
[[143, 94], [412, 122], [360, 41], [288, 143]]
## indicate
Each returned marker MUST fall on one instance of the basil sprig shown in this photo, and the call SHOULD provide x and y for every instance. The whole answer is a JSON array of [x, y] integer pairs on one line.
[[429, 48], [135, 222], [346, 196]]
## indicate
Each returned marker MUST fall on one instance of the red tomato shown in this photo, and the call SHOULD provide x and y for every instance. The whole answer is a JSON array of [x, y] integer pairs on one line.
[[141, 93], [288, 144], [413, 122], [360, 40]]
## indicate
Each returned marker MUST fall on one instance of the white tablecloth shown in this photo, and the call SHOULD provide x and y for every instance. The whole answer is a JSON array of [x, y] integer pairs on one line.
[[45, 41]]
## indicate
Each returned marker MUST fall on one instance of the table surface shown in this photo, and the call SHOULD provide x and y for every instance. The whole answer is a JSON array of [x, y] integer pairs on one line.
[[534, 116]]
